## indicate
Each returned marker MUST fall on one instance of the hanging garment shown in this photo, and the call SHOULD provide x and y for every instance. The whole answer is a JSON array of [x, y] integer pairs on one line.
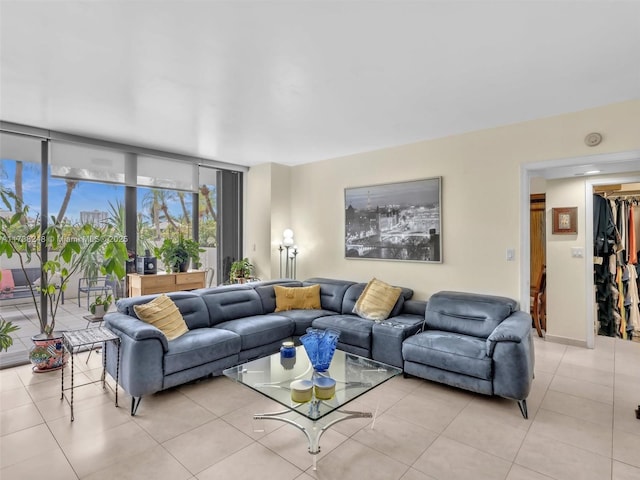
[[633, 322], [633, 249], [603, 227], [621, 225], [619, 313], [604, 271]]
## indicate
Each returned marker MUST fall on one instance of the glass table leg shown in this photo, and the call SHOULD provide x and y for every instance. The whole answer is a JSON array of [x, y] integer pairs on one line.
[[313, 433]]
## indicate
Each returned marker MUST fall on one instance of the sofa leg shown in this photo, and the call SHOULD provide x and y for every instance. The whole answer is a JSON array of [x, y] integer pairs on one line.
[[135, 402], [523, 408]]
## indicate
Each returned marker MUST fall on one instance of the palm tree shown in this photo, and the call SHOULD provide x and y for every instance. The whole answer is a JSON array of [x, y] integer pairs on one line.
[[117, 217], [150, 203], [155, 201], [17, 194], [183, 204], [165, 209], [205, 194], [71, 185]]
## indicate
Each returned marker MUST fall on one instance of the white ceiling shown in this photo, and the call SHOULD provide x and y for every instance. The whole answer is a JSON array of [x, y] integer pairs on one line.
[[295, 82]]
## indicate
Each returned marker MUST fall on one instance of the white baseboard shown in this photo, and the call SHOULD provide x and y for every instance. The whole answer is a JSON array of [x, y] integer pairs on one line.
[[566, 341]]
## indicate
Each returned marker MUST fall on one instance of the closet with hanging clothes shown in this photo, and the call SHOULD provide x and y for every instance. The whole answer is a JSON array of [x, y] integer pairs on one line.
[[616, 222]]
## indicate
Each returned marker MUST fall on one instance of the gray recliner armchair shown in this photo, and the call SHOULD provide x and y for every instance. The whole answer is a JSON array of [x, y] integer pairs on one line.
[[476, 342]]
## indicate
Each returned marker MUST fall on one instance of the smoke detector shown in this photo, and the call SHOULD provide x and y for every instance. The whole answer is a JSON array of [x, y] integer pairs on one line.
[[593, 139]]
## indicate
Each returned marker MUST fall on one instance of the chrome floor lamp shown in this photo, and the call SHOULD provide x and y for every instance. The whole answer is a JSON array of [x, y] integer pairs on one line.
[[290, 253]]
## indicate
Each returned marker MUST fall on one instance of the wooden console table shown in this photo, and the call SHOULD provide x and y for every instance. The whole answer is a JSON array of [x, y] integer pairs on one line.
[[164, 282]]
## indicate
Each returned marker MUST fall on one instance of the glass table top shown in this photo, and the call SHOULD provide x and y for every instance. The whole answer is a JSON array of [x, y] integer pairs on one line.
[[272, 376]]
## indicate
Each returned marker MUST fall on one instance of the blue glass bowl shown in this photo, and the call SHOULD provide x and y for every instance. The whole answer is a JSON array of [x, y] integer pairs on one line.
[[320, 346]]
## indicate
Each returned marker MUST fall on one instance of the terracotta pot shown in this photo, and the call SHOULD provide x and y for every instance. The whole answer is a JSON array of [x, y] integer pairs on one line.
[[48, 352]]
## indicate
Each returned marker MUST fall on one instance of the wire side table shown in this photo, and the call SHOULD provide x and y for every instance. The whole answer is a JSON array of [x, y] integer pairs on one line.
[[90, 320], [74, 340]]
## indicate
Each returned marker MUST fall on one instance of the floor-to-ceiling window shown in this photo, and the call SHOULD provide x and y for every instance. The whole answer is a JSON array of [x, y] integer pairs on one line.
[[20, 177], [148, 195], [208, 222]]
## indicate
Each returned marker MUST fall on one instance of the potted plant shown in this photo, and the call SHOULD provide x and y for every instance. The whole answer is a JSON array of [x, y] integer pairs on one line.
[[240, 271], [27, 240], [176, 255], [100, 305], [5, 339]]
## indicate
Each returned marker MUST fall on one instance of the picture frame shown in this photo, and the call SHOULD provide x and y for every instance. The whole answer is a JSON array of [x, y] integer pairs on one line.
[[395, 221], [565, 221]]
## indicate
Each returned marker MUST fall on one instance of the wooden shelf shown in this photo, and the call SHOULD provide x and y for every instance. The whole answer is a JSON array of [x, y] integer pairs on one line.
[[164, 282]]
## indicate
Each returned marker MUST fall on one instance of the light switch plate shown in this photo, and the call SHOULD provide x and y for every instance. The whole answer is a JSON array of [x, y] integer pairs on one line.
[[577, 252], [511, 254]]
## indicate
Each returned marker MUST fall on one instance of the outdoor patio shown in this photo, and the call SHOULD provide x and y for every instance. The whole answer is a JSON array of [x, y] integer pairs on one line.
[[23, 314]]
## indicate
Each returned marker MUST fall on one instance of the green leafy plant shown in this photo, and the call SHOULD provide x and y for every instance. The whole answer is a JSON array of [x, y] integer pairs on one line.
[[240, 269], [100, 300], [66, 252], [5, 339], [174, 254]]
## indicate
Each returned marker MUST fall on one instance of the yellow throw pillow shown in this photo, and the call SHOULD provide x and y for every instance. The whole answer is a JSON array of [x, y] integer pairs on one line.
[[297, 298], [377, 300], [163, 314]]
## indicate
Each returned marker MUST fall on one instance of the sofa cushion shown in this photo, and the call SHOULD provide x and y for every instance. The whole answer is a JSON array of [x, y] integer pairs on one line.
[[268, 295], [226, 304], [331, 292], [163, 314], [377, 300], [353, 329], [192, 307], [198, 347], [297, 298], [6, 282], [354, 291], [467, 313], [351, 297], [27, 277], [304, 318], [259, 330], [448, 351]]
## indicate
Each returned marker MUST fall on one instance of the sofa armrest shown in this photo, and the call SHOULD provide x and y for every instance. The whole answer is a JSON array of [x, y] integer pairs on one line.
[[142, 350], [515, 328], [134, 328], [510, 346]]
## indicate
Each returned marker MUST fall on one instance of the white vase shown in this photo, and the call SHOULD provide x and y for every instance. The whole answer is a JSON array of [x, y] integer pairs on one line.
[[99, 311]]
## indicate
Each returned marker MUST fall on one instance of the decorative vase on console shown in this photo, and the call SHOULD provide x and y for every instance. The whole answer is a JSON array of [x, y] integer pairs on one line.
[[320, 346]]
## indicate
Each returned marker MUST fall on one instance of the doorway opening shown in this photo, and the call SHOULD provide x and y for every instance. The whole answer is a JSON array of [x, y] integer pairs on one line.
[[622, 167], [616, 230]]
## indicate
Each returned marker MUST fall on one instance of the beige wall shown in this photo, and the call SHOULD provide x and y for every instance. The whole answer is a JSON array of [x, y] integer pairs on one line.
[[566, 307], [257, 218], [538, 185], [268, 213], [481, 198]]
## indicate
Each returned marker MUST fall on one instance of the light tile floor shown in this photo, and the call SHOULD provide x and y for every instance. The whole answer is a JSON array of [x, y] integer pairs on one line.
[[581, 426]]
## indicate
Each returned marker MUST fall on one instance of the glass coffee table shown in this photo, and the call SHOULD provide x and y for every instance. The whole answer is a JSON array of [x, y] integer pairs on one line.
[[272, 376]]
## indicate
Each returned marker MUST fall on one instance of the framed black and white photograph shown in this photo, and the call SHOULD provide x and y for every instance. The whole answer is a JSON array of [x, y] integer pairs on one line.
[[395, 221]]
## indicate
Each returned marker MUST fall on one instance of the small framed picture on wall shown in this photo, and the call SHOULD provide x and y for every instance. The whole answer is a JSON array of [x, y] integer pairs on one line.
[[565, 221]]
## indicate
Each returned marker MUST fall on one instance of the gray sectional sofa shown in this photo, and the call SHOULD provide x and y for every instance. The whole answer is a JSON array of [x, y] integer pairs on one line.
[[232, 324], [480, 343], [476, 342]]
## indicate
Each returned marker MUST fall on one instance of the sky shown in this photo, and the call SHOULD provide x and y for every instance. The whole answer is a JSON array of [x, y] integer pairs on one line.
[[87, 196]]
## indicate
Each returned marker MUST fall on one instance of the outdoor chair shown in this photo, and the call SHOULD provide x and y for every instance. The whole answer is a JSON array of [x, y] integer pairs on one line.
[[96, 286]]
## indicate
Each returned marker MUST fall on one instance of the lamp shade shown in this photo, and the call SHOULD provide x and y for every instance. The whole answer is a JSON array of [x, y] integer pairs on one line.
[[288, 233]]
